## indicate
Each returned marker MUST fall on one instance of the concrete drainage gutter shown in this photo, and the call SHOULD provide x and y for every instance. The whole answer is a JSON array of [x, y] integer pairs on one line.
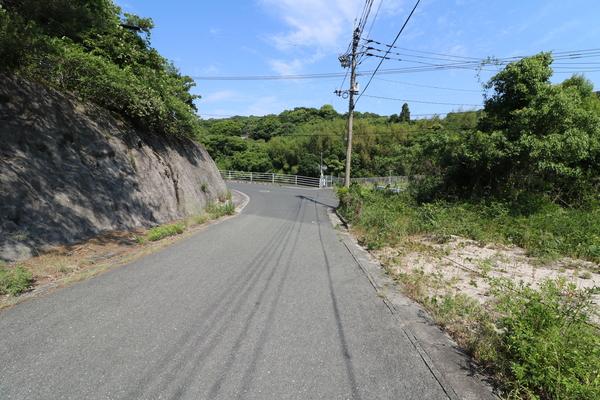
[[454, 370]]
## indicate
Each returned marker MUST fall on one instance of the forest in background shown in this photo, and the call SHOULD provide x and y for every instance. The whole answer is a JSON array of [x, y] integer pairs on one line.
[[532, 137], [292, 141]]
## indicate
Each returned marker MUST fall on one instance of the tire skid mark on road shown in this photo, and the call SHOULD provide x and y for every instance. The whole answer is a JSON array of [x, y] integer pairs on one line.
[[170, 370], [349, 367], [214, 390], [239, 282]]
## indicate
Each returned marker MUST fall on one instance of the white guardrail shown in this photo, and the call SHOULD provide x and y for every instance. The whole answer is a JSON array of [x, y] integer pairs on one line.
[[297, 180], [282, 179]]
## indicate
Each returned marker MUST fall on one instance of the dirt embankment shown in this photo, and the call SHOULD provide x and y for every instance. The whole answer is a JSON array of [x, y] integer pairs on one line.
[[70, 170]]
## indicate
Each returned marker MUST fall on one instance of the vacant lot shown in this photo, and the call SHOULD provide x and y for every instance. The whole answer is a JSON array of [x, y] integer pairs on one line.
[[517, 288]]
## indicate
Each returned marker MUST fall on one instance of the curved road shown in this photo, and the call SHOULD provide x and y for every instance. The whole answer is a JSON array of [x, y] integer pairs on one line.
[[266, 305]]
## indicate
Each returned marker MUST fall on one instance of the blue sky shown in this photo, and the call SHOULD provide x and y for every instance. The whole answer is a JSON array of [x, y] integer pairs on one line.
[[282, 37]]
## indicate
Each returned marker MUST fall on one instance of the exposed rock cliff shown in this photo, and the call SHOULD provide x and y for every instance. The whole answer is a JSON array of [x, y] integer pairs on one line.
[[70, 170]]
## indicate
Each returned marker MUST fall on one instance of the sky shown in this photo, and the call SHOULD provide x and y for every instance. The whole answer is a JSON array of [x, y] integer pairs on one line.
[[290, 37]]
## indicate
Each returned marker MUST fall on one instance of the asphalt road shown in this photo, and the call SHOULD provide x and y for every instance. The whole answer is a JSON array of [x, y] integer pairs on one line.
[[266, 305]]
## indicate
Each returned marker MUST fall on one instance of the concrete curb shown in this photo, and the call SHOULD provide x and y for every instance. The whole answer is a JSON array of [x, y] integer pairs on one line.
[[453, 369], [240, 207]]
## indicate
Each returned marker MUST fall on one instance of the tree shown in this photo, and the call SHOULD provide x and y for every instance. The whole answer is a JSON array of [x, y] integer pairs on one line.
[[90, 48], [514, 88], [328, 112], [536, 137], [73, 19], [405, 113], [308, 165]]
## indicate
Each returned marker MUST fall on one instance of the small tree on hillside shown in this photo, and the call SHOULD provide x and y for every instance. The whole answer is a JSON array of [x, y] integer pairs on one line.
[[405, 113]]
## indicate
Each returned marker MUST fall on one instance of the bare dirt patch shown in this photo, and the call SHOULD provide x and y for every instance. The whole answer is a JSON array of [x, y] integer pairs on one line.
[[460, 265]]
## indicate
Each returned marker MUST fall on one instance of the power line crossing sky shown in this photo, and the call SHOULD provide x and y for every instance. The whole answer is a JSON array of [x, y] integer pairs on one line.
[[304, 37]]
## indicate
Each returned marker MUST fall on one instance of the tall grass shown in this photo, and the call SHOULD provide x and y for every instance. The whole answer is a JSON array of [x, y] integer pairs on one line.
[[541, 227], [220, 210]]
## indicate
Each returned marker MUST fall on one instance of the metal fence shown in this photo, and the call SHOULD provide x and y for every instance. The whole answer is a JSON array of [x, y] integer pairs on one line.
[[382, 180], [269, 177], [398, 182]]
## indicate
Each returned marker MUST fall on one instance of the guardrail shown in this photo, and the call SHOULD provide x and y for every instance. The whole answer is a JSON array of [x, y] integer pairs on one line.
[[382, 180], [399, 182], [283, 179]]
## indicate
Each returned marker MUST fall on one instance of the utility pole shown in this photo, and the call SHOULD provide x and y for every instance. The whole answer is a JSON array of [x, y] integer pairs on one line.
[[321, 178], [353, 90]]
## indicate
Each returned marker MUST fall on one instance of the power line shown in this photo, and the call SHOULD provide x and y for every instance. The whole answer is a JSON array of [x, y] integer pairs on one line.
[[359, 28], [570, 68], [202, 115], [374, 18], [418, 51], [423, 130], [394, 42], [575, 53], [369, 52], [429, 86], [370, 48], [423, 101], [331, 75], [365, 15], [362, 21]]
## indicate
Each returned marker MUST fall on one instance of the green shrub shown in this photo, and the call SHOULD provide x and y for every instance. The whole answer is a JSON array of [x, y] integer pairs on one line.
[[198, 219], [538, 225], [548, 348], [537, 343], [14, 281], [219, 210], [164, 231], [86, 51]]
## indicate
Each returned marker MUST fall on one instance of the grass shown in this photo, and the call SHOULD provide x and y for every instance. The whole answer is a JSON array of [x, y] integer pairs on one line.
[[14, 281], [536, 343], [163, 231], [198, 219], [220, 210], [543, 229], [213, 211], [225, 197]]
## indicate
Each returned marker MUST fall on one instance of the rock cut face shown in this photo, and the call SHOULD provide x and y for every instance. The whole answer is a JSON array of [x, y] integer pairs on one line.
[[69, 171]]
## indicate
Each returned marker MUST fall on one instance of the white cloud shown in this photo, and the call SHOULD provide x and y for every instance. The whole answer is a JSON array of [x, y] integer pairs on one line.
[[322, 26], [264, 105], [211, 69], [221, 95], [282, 67], [391, 7], [313, 22]]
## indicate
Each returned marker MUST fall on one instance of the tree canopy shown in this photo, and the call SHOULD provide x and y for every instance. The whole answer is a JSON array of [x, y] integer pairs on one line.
[[93, 49]]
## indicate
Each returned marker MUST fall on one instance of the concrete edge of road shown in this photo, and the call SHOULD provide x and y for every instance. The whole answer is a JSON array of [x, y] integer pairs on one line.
[[246, 199], [451, 367], [67, 281]]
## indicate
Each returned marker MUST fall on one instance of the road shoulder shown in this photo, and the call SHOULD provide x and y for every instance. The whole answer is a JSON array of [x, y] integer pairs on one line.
[[452, 368], [70, 264]]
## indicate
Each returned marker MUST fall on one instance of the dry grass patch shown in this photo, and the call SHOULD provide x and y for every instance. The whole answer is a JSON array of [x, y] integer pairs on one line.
[[63, 265]]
